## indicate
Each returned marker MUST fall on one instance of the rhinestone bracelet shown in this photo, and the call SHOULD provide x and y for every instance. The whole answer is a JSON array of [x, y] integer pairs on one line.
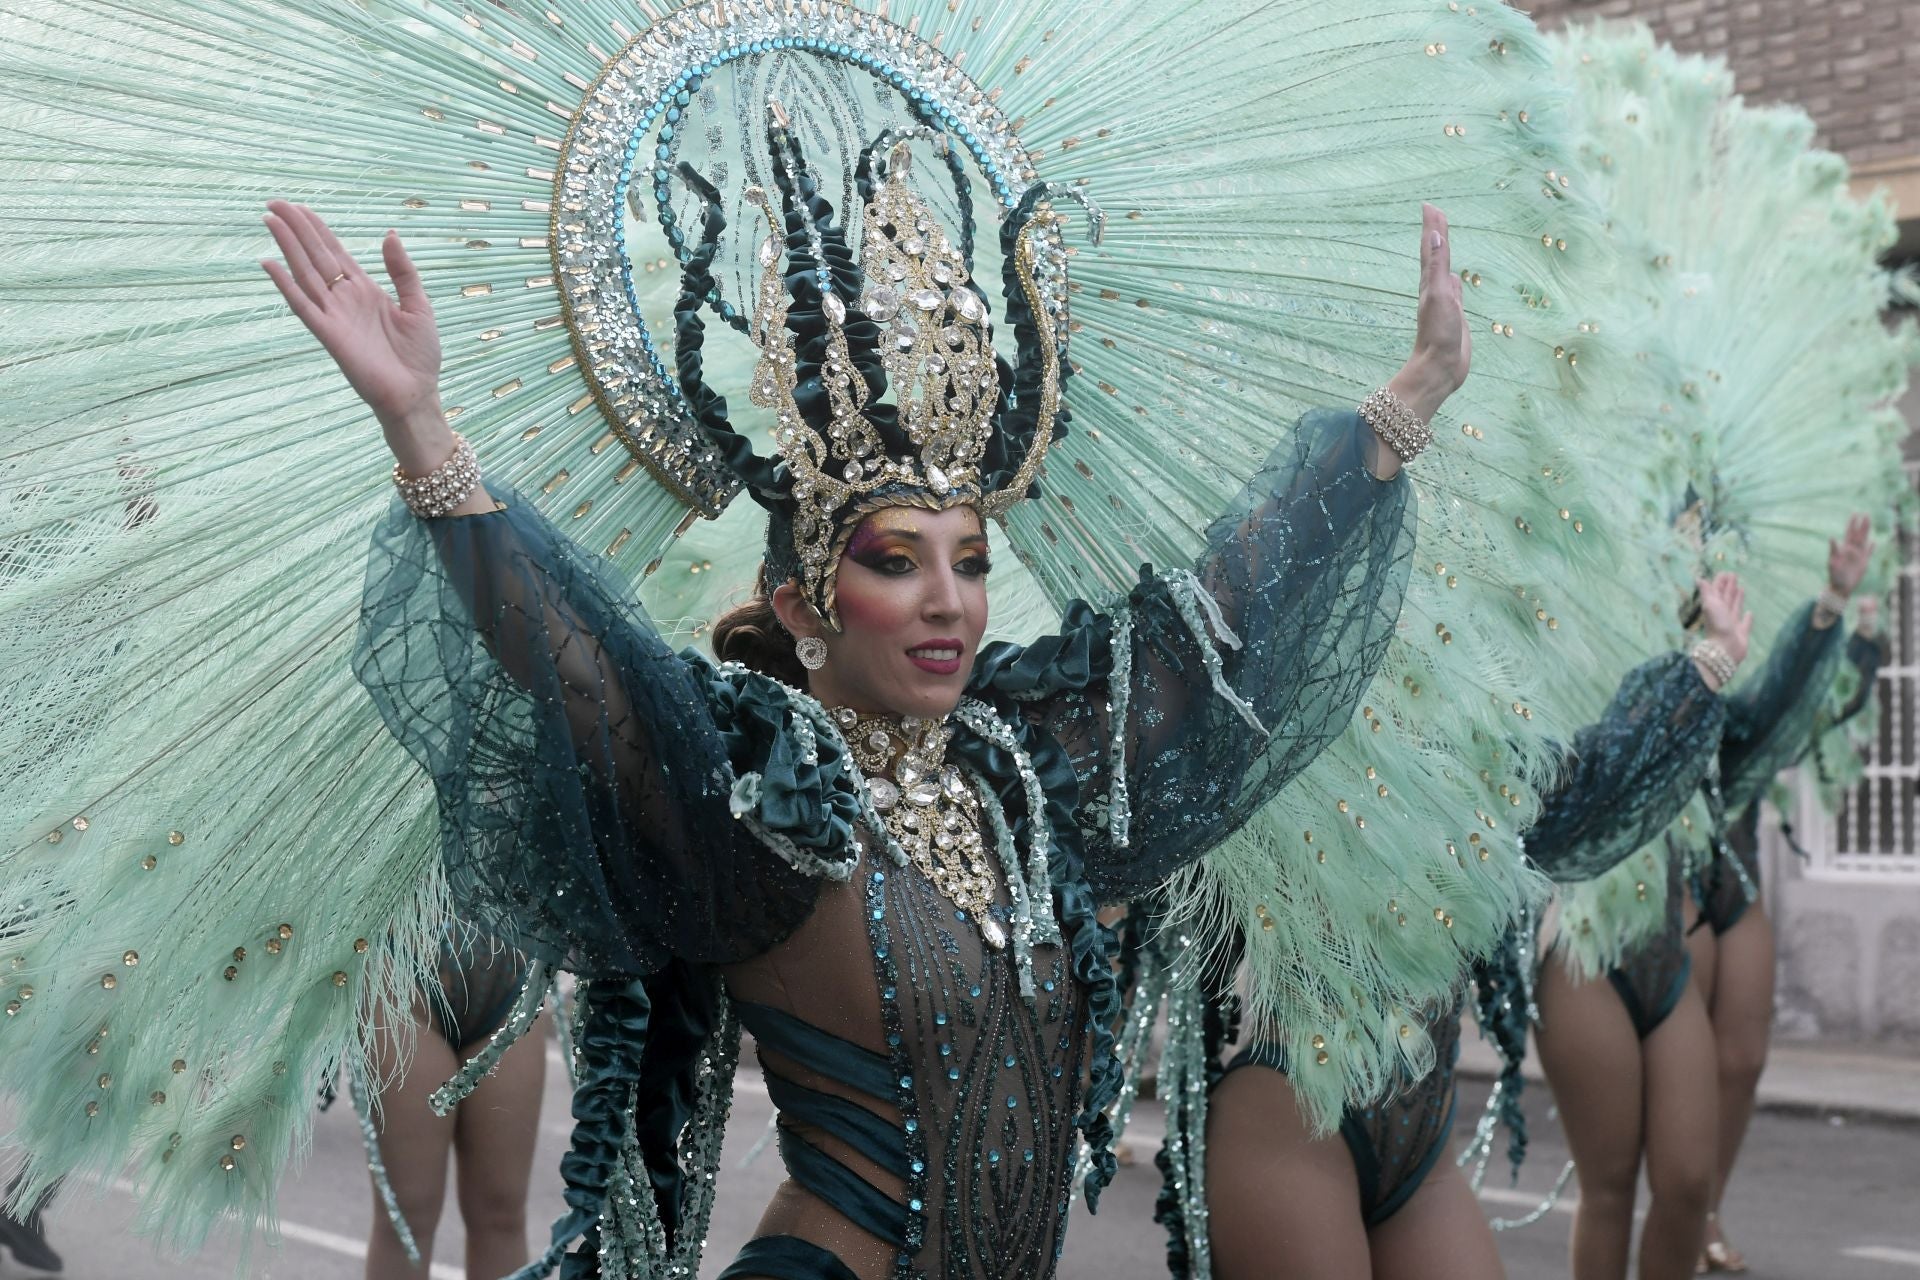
[[1396, 424], [1831, 602], [1718, 662], [445, 487]]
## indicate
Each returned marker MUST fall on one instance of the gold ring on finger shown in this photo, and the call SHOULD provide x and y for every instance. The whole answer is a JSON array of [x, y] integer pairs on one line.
[[336, 280]]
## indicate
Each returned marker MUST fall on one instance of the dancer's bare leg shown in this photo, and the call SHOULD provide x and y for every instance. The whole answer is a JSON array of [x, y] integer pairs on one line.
[[1742, 1012], [1440, 1233], [414, 1145], [1281, 1204], [1591, 1055], [1681, 1117], [493, 1137]]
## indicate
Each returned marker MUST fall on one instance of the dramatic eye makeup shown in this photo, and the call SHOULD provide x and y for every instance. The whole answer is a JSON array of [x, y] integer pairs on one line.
[[880, 543]]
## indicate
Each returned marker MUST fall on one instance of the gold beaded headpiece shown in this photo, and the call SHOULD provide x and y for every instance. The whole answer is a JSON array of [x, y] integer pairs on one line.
[[964, 427]]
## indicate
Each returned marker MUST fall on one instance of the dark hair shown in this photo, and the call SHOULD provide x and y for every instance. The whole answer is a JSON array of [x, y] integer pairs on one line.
[[753, 635]]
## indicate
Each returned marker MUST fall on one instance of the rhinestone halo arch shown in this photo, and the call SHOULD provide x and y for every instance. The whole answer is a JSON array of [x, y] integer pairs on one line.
[[613, 134]]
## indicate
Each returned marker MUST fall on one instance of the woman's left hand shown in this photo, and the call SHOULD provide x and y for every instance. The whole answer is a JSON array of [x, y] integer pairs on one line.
[[1442, 348], [1847, 560]]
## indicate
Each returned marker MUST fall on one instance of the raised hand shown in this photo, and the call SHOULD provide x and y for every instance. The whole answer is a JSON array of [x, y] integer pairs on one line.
[[1723, 614], [1442, 348], [385, 344], [1847, 559]]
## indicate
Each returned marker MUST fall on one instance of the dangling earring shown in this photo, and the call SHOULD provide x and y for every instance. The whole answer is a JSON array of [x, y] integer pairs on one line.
[[812, 652]]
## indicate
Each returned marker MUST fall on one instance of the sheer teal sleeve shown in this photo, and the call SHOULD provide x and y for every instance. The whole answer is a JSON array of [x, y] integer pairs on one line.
[[1867, 655], [1190, 703], [1770, 716], [584, 785], [1629, 774]]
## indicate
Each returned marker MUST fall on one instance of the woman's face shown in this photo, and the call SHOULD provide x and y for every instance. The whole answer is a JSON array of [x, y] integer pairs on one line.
[[912, 597]]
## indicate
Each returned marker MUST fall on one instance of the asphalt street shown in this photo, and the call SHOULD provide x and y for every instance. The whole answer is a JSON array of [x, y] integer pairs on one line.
[[1817, 1198]]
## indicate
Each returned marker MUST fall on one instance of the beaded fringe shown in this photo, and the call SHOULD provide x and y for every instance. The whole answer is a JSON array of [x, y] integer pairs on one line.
[[376, 1165], [533, 994]]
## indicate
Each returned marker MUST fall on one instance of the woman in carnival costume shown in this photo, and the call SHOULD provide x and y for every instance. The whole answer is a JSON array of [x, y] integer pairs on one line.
[[1772, 320], [1353, 1192], [1639, 1043], [898, 583], [894, 892], [1731, 940], [1376, 1198], [1729, 936]]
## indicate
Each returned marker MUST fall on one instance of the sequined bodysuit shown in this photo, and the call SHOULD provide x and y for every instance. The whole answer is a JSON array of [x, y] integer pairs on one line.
[[698, 843], [480, 978]]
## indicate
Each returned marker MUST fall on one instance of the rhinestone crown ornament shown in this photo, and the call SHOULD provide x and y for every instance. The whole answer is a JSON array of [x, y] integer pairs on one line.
[[919, 311], [935, 340]]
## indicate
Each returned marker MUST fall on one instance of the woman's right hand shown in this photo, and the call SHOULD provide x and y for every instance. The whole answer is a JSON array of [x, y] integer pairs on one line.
[[1723, 615], [386, 344]]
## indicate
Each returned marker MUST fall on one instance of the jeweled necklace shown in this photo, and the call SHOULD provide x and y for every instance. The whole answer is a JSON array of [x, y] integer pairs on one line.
[[928, 807]]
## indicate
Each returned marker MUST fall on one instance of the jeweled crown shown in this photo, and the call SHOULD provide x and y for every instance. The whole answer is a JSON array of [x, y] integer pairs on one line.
[[936, 347], [963, 428]]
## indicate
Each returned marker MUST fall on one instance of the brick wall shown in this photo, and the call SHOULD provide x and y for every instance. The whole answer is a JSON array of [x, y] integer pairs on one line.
[[1853, 64]]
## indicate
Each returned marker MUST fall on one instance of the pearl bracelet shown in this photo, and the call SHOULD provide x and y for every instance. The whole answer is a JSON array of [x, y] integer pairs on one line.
[[445, 487], [1831, 602], [1396, 424], [1718, 662]]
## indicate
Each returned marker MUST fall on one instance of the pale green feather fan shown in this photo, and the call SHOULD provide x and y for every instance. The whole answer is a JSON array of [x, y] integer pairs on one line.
[[1774, 316], [188, 488]]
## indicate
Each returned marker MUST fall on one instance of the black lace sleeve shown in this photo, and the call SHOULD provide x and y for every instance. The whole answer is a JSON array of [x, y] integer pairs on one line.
[[1770, 715], [1629, 774], [1225, 680], [584, 787]]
